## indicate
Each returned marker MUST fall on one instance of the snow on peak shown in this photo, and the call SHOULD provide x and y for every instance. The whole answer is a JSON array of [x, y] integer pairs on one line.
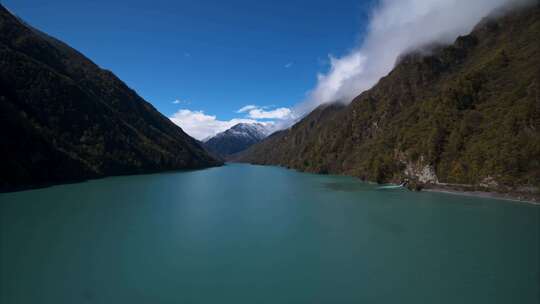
[[256, 131]]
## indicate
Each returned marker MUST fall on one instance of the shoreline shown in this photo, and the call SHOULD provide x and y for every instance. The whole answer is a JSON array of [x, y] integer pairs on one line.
[[511, 197], [43, 185], [515, 197]]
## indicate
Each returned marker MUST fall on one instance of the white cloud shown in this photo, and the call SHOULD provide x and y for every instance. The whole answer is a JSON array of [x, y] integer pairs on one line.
[[288, 65], [279, 113], [246, 108], [200, 125], [257, 112], [395, 27], [178, 101]]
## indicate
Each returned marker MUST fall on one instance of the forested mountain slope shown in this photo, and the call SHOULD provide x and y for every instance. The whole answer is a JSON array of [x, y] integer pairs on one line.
[[62, 118], [466, 114]]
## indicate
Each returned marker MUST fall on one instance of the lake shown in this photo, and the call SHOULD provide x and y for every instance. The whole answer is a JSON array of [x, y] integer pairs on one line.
[[254, 234]]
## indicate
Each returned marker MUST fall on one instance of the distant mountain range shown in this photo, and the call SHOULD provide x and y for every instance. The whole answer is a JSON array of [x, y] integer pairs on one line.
[[62, 118], [464, 116], [236, 139]]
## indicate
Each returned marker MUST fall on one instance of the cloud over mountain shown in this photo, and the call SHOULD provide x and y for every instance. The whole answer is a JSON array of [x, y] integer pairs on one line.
[[395, 27], [200, 125]]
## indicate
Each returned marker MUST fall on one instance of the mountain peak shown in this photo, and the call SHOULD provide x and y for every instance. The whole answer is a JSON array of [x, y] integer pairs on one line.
[[238, 138]]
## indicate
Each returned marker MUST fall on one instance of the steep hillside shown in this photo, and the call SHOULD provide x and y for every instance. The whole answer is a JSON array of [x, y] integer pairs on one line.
[[236, 139], [62, 118], [466, 114]]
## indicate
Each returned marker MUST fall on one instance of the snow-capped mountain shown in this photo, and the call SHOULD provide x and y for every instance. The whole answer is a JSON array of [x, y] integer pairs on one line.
[[237, 138]]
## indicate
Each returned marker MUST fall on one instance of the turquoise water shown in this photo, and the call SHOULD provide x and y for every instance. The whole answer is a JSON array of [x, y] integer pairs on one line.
[[252, 234]]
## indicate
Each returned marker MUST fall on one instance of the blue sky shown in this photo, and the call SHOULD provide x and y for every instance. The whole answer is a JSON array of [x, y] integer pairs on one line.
[[209, 64], [212, 56]]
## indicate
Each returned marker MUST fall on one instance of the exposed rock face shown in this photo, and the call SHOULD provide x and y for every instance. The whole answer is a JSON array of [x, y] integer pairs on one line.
[[460, 115], [62, 118], [425, 174], [236, 139]]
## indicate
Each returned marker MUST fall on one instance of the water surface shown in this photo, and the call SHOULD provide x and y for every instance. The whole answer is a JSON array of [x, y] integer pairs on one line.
[[253, 234]]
